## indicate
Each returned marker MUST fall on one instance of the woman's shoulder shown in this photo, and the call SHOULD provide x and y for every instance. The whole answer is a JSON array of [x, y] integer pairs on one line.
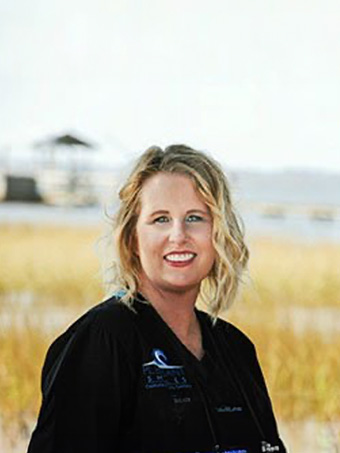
[[110, 316], [110, 319], [101, 330]]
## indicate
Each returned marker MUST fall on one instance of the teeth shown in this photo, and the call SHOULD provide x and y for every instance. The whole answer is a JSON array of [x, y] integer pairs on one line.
[[180, 257]]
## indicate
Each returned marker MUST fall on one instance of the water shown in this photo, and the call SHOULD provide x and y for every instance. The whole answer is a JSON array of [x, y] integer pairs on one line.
[[298, 205], [47, 215], [292, 226], [294, 204]]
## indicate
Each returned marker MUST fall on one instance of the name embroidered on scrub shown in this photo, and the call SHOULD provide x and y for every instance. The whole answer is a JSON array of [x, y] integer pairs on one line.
[[229, 409]]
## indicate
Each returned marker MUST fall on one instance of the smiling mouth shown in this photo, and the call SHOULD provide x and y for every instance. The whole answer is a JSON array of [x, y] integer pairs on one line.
[[179, 257]]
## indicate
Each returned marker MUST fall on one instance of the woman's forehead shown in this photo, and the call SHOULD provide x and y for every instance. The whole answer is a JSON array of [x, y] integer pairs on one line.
[[170, 189]]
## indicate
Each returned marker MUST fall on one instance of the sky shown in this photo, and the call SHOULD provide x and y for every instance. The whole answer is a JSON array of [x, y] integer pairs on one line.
[[254, 83]]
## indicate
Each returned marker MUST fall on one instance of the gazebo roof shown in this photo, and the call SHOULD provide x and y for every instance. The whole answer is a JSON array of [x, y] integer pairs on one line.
[[64, 140]]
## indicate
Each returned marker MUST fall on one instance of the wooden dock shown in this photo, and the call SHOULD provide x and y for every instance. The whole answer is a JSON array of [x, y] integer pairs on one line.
[[317, 212], [60, 187]]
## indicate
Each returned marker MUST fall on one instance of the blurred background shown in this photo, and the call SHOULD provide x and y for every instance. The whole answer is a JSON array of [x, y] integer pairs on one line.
[[86, 87]]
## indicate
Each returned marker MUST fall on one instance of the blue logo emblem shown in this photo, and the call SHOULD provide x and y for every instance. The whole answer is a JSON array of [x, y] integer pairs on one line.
[[159, 373], [160, 361]]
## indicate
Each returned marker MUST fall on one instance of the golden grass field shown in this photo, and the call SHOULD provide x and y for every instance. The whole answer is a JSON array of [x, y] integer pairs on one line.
[[59, 267]]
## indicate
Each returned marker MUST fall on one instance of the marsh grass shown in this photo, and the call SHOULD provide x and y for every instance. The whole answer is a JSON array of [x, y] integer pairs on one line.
[[296, 274], [59, 266], [22, 352], [302, 372], [62, 265]]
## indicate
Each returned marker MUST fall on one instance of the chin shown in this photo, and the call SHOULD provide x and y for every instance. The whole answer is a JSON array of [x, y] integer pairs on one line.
[[181, 287]]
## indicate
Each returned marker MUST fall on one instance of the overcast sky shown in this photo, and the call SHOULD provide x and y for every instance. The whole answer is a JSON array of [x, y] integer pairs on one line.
[[254, 82]]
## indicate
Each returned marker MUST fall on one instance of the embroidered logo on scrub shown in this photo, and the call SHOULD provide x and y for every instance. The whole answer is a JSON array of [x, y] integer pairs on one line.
[[159, 373]]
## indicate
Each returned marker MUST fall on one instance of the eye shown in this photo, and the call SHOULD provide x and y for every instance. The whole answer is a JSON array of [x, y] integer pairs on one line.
[[194, 218], [161, 219]]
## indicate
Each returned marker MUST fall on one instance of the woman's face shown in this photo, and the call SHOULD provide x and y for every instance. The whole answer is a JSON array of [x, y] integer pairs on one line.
[[174, 234]]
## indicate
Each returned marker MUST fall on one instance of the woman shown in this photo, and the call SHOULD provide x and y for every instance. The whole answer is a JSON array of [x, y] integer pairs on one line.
[[146, 371]]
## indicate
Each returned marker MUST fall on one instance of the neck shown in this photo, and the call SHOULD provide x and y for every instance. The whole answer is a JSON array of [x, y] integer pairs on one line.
[[177, 310]]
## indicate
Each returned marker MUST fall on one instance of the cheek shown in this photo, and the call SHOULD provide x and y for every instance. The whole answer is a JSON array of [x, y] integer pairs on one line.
[[204, 236], [207, 245], [148, 242]]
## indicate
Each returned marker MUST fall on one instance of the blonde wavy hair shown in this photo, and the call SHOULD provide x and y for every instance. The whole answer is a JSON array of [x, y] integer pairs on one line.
[[218, 290]]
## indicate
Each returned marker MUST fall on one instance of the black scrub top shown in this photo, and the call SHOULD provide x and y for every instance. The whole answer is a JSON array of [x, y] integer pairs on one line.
[[120, 381]]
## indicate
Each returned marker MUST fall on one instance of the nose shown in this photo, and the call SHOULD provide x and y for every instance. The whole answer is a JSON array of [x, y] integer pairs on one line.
[[178, 233]]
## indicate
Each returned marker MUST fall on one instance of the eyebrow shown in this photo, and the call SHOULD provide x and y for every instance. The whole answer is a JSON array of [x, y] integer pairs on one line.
[[164, 211]]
